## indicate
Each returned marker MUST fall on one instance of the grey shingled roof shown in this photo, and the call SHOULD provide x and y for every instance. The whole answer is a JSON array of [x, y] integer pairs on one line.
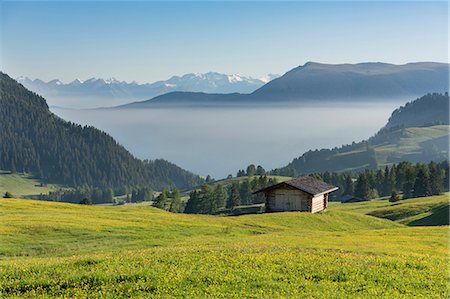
[[305, 183]]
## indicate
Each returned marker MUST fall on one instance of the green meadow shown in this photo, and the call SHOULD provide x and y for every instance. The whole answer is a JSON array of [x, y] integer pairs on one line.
[[363, 250], [20, 184]]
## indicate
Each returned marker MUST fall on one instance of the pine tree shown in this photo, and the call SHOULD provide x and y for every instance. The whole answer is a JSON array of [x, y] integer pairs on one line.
[[260, 170], [379, 178], [219, 197], [409, 180], [436, 179], [348, 185], [161, 200], [394, 197], [362, 187], [234, 199], [387, 187], [175, 205], [446, 181], [422, 183], [206, 201], [251, 170], [193, 204], [86, 201], [245, 191]]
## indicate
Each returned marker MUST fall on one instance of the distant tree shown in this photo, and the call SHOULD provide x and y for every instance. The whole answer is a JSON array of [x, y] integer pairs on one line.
[[245, 191], [251, 170], [219, 197], [446, 168], [240, 173], [326, 177], [193, 204], [161, 200], [230, 176], [348, 185], [373, 193], [379, 178], [209, 179], [292, 172], [234, 198], [387, 184], [362, 187], [108, 195], [408, 181], [175, 205], [86, 201], [147, 194], [436, 178], [260, 170], [394, 197], [206, 201], [8, 195], [422, 183]]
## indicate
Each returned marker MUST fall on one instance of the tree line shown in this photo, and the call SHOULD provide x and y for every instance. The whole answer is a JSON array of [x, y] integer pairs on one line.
[[412, 180], [213, 199]]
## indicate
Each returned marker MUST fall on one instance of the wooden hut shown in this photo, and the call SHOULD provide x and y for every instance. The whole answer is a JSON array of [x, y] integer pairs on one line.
[[305, 194]]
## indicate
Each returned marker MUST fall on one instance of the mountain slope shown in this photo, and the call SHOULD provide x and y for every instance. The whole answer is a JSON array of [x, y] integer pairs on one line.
[[37, 141], [405, 137], [315, 81], [99, 92], [328, 82]]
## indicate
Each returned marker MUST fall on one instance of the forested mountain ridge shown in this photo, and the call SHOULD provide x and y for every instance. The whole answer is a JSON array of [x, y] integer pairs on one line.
[[427, 110], [37, 141], [408, 136]]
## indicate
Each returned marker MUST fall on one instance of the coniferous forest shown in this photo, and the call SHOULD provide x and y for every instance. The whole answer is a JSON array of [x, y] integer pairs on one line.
[[34, 140]]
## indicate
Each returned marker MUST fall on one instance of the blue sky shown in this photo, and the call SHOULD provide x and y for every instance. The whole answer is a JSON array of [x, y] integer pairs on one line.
[[149, 41]]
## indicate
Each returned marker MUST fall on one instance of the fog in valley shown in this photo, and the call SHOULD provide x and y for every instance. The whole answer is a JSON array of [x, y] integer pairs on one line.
[[219, 141]]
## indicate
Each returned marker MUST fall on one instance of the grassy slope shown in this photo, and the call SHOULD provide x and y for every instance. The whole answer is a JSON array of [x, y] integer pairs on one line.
[[21, 185], [404, 144], [425, 211], [63, 249], [410, 142]]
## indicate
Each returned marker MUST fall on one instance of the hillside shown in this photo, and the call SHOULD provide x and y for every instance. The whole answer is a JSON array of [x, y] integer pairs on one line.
[[314, 82], [37, 141], [396, 142], [427, 110], [49, 249]]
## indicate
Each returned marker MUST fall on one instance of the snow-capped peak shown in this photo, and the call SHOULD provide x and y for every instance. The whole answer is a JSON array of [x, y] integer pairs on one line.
[[235, 78], [269, 77], [111, 80], [55, 82], [76, 82]]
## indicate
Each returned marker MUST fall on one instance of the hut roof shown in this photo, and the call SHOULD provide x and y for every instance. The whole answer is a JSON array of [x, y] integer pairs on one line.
[[304, 183]]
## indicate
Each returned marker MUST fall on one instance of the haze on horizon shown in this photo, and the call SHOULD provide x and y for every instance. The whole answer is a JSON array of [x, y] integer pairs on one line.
[[150, 41]]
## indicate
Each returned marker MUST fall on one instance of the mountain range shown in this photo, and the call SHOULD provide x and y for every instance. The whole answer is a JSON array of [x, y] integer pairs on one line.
[[313, 82], [97, 92]]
